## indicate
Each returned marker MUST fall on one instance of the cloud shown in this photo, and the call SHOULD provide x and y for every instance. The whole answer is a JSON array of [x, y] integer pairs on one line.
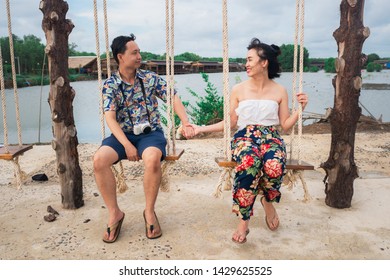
[[198, 24]]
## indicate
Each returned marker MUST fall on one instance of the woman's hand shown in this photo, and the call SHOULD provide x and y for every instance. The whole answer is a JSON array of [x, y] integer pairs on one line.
[[188, 131], [302, 99]]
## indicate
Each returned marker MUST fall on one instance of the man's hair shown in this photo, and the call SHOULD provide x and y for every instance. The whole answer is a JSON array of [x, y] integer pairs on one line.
[[267, 52], [119, 45]]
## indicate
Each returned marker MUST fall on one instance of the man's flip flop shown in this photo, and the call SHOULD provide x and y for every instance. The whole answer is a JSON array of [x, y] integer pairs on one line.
[[152, 227], [117, 227]]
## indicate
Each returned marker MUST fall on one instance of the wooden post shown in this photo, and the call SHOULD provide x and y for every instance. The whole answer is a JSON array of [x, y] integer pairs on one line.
[[340, 168], [57, 30]]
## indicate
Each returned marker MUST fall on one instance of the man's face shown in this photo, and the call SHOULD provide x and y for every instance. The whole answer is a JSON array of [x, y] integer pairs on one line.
[[131, 57]]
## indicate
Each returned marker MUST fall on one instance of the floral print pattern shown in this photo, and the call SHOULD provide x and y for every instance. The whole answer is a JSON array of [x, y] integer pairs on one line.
[[128, 100], [260, 154]]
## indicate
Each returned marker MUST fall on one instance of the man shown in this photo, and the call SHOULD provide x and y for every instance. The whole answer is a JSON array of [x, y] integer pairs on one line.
[[131, 113]]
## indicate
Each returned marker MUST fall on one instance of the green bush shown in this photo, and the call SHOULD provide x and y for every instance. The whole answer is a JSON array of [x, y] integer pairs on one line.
[[209, 108], [371, 67]]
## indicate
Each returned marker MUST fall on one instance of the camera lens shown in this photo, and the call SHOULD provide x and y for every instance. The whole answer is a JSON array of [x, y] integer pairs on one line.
[[147, 129]]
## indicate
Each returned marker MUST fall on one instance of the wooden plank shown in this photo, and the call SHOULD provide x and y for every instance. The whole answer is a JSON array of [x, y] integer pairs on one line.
[[291, 164], [175, 155], [13, 151]]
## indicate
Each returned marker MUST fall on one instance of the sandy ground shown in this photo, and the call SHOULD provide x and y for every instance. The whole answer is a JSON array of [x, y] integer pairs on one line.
[[195, 224]]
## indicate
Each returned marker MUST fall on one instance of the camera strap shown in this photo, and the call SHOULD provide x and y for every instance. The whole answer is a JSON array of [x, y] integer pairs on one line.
[[144, 94]]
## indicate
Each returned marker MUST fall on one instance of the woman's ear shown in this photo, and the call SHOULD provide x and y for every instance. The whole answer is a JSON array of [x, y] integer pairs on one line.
[[264, 63]]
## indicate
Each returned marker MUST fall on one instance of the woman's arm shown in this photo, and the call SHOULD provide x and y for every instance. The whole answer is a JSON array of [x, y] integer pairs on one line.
[[220, 125], [286, 120]]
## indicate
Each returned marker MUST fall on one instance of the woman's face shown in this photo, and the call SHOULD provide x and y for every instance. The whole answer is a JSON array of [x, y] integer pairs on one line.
[[254, 64]]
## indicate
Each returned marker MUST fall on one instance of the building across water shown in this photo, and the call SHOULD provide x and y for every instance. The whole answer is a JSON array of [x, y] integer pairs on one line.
[[88, 64]]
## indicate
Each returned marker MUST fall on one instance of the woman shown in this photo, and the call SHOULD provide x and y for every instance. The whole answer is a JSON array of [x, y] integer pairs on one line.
[[257, 106]]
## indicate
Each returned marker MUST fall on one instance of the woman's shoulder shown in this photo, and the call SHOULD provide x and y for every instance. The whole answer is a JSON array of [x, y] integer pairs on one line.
[[240, 86]]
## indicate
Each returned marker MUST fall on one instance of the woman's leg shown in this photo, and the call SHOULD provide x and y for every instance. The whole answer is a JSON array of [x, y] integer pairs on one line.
[[274, 161], [246, 181]]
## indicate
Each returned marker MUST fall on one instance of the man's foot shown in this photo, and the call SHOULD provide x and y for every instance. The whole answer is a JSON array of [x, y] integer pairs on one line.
[[152, 231], [271, 217], [239, 236], [112, 233]]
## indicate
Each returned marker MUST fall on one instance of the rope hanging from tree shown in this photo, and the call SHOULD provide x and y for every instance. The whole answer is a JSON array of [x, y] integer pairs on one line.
[[8, 152], [119, 175]]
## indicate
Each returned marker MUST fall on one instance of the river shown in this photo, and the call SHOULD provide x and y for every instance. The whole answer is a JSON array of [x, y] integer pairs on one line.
[[36, 121]]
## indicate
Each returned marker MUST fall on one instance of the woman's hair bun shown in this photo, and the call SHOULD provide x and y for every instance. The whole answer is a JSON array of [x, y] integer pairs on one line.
[[275, 49]]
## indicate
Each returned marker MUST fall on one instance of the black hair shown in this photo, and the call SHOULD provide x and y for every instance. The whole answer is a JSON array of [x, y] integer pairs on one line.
[[267, 52], [119, 45]]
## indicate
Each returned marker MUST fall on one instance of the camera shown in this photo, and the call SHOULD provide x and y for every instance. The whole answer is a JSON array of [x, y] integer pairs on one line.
[[144, 128]]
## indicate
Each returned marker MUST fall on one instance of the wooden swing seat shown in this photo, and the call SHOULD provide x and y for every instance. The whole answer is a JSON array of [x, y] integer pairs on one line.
[[13, 151], [291, 164], [172, 156]]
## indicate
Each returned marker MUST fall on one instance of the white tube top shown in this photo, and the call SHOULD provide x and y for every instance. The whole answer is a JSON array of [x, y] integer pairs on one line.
[[257, 111]]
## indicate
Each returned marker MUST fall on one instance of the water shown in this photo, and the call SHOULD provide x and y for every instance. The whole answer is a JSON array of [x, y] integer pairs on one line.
[[86, 103]]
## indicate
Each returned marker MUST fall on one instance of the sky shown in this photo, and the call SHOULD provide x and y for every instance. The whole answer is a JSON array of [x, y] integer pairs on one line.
[[198, 24]]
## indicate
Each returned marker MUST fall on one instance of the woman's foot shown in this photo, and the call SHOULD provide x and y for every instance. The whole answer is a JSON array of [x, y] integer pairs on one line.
[[239, 236], [271, 217]]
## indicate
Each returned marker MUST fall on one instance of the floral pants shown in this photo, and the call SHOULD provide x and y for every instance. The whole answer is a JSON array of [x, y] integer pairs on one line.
[[260, 154]]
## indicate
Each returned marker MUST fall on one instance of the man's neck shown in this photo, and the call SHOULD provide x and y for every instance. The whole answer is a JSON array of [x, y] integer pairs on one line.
[[127, 75]]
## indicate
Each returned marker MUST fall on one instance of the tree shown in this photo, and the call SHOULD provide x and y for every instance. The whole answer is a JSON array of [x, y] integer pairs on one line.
[[340, 168], [286, 58], [372, 66], [372, 57], [187, 56], [57, 30], [330, 65]]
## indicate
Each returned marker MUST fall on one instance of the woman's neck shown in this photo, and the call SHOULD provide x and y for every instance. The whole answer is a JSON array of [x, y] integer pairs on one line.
[[259, 82]]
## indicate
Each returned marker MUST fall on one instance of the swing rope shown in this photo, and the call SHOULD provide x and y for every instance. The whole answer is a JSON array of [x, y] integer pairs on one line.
[[16, 95], [296, 170], [18, 173], [119, 175], [170, 72], [225, 182], [292, 175], [299, 32]]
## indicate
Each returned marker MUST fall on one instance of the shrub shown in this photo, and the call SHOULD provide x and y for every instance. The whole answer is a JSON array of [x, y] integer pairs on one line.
[[209, 108]]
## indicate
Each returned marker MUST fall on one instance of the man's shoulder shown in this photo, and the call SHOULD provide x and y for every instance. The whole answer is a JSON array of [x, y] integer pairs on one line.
[[143, 73], [114, 79]]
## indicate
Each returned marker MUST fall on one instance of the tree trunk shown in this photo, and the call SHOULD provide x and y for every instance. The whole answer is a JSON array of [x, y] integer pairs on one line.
[[340, 168], [57, 30]]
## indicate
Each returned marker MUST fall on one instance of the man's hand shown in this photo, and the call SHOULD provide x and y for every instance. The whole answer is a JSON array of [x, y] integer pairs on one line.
[[131, 152]]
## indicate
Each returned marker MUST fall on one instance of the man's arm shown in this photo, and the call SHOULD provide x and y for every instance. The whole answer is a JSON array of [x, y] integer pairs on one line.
[[116, 130], [180, 110]]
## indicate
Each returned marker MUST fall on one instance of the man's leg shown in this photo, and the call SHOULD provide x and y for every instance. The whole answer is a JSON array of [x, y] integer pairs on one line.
[[152, 179], [105, 180]]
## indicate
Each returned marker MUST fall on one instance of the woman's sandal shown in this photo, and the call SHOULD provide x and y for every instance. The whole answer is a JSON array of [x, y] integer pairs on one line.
[[152, 227], [266, 220], [244, 240], [117, 227]]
